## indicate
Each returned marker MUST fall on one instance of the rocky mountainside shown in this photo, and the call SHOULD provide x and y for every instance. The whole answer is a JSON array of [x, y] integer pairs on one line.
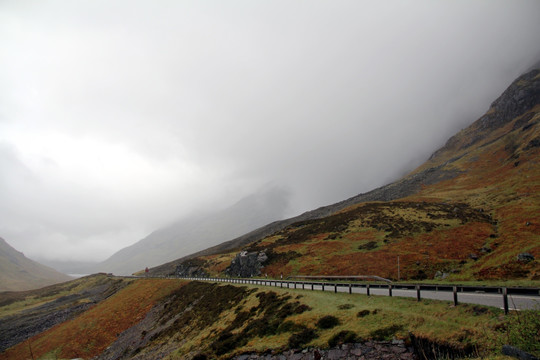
[[17, 272], [195, 233], [469, 212]]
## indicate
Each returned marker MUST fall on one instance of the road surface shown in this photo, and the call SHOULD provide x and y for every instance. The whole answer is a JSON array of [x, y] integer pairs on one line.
[[515, 301]]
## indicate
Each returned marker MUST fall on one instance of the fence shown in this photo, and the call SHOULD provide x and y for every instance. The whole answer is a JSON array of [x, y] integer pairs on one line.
[[368, 288]]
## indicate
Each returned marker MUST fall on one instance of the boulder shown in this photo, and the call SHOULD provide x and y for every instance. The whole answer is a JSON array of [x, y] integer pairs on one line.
[[441, 275], [517, 353], [190, 270], [525, 257], [247, 264]]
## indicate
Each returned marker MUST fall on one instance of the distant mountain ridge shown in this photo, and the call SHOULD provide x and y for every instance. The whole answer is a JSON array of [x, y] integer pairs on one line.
[[501, 146], [18, 273], [198, 232]]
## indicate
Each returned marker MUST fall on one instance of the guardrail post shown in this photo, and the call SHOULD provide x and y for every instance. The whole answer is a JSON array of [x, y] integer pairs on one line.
[[454, 290], [505, 300], [303, 285], [335, 288], [295, 284], [350, 288], [323, 287], [418, 293], [312, 287], [389, 289], [367, 289], [281, 284]]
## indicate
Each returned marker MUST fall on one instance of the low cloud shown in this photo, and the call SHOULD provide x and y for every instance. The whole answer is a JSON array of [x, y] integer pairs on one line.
[[118, 118]]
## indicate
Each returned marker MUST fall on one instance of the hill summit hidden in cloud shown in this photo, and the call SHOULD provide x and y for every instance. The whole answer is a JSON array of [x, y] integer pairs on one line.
[[471, 212], [198, 232]]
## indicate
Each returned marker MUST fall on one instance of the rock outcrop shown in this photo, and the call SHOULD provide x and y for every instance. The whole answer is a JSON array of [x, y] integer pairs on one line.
[[392, 350], [247, 264], [190, 269]]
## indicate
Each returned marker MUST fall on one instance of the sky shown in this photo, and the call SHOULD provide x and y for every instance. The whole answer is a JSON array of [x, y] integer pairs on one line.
[[119, 117]]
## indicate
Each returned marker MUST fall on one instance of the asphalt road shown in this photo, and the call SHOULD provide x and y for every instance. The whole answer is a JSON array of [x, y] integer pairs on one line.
[[515, 302]]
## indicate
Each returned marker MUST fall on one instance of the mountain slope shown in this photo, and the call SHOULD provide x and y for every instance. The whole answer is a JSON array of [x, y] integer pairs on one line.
[[17, 272], [198, 232], [467, 213], [113, 318]]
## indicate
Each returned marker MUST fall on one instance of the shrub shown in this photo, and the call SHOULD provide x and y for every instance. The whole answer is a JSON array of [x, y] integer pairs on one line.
[[362, 313], [342, 337], [523, 331], [345, 306], [303, 337], [302, 308], [327, 322], [227, 342], [289, 326], [368, 246], [385, 333]]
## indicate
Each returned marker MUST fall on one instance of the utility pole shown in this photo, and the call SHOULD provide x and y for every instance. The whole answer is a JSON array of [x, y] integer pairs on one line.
[[398, 275]]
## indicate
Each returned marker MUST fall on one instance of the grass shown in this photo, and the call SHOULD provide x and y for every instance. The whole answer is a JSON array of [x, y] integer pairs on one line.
[[220, 321], [387, 318], [522, 330], [91, 332]]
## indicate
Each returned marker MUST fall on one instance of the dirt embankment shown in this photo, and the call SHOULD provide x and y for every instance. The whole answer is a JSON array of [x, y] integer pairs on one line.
[[61, 303]]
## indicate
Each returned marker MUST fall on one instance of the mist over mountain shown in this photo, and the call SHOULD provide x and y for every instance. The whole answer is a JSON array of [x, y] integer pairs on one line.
[[470, 212], [117, 119], [197, 232]]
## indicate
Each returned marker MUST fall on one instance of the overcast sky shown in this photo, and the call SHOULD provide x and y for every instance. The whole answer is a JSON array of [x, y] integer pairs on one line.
[[117, 117]]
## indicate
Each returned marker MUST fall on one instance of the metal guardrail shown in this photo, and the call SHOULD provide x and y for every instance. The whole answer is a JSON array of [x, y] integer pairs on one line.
[[337, 277], [455, 289]]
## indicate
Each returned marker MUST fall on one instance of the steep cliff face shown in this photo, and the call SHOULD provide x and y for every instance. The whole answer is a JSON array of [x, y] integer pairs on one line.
[[516, 101]]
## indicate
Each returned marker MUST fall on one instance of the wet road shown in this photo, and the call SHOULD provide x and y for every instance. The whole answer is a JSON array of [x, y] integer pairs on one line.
[[515, 301]]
